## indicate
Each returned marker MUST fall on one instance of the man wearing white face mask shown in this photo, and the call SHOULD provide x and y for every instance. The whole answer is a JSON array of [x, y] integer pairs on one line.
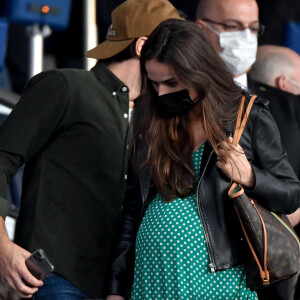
[[232, 26]]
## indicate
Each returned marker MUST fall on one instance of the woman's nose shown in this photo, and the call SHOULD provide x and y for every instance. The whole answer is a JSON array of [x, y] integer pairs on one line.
[[162, 90]]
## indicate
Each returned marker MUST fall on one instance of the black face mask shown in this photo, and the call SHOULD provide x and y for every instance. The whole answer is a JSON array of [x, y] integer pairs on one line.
[[174, 104]]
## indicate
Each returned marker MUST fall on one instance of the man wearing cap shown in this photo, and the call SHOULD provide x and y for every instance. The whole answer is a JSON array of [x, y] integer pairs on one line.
[[72, 131]]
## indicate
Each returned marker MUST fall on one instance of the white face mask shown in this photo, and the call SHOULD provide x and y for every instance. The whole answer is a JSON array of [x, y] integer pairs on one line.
[[239, 49], [296, 84]]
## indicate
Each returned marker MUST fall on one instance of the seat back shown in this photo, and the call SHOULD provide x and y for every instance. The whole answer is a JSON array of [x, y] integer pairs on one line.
[[291, 36]]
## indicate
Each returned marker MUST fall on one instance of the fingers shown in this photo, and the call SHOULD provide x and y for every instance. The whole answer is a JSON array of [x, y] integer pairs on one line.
[[234, 163], [31, 281], [229, 147], [15, 272], [10, 282], [228, 151], [24, 282], [17, 283], [226, 167]]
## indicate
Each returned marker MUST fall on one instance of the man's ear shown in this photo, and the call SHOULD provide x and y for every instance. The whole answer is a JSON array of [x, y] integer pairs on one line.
[[201, 24], [139, 45], [281, 82]]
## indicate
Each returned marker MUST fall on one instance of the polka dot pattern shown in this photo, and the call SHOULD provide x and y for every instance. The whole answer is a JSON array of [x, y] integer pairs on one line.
[[172, 259]]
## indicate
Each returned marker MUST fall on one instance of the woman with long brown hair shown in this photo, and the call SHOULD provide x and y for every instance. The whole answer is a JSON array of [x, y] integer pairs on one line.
[[176, 215]]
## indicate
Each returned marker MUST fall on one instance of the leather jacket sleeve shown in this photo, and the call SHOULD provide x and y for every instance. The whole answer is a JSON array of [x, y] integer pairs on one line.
[[276, 185]]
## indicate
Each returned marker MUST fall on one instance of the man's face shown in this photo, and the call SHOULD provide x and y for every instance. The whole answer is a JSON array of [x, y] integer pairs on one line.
[[236, 14]]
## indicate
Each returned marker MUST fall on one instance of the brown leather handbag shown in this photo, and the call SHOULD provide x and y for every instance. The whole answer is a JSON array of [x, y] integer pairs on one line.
[[274, 246]]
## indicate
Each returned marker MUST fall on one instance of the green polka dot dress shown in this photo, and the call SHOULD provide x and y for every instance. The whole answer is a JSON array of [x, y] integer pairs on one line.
[[172, 259]]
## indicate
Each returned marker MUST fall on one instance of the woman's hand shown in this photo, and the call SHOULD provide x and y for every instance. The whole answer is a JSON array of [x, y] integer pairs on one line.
[[114, 297], [234, 163]]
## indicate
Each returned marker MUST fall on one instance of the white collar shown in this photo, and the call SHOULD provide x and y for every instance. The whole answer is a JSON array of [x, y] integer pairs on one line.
[[241, 81]]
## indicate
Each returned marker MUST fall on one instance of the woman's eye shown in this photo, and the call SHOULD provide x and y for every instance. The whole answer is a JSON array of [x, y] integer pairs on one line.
[[172, 83]]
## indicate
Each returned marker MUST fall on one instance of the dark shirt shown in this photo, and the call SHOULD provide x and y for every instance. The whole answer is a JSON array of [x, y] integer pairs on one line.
[[71, 129], [285, 108]]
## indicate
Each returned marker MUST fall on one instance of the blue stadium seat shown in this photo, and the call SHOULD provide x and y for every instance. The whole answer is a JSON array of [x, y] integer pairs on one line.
[[55, 13], [291, 36], [3, 39]]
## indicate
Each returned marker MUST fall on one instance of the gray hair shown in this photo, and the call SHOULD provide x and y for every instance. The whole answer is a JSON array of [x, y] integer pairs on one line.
[[270, 65]]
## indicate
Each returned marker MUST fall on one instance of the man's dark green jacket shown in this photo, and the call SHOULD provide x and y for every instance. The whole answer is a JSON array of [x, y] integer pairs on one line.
[[71, 130]]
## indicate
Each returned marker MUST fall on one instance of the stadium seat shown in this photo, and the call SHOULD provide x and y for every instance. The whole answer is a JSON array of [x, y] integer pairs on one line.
[[291, 36]]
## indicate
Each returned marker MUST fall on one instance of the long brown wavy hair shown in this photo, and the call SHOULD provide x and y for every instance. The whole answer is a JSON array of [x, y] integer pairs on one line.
[[182, 46]]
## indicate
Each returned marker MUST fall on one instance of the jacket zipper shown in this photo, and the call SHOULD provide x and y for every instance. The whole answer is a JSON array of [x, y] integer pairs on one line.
[[212, 264]]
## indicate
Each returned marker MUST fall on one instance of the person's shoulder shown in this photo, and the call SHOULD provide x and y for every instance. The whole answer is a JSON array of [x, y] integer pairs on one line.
[[63, 77], [77, 77], [72, 72], [58, 73], [43, 76], [259, 101], [44, 80], [260, 107], [278, 98]]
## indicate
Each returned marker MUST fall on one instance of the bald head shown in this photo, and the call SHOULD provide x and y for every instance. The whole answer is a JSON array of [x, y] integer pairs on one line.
[[278, 67], [233, 12], [240, 14], [224, 10]]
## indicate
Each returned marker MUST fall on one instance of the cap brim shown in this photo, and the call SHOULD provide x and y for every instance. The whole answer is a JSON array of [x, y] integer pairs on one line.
[[108, 49]]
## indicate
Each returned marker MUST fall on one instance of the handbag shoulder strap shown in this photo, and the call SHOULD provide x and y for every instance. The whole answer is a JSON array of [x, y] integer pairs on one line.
[[240, 124], [239, 128]]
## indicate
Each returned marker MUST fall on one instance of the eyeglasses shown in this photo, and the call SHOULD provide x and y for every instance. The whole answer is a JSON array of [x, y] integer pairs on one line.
[[257, 29]]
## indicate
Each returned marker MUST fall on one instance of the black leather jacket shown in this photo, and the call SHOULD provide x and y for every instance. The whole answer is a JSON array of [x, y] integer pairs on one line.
[[276, 187]]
